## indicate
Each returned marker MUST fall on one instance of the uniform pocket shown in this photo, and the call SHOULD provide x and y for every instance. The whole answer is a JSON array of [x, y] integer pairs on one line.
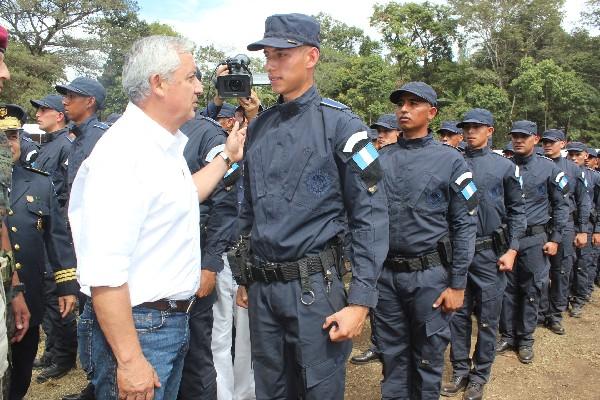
[[430, 195], [437, 337]]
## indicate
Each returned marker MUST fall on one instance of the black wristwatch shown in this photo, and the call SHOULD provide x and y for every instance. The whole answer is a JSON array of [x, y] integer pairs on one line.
[[18, 288], [227, 159]]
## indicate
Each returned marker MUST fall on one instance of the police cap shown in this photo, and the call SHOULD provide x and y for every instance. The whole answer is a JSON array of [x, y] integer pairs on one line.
[[525, 127], [386, 121], [419, 89], [227, 111], [449, 127], [479, 116], [85, 87], [555, 135], [576, 146], [286, 31], [52, 101]]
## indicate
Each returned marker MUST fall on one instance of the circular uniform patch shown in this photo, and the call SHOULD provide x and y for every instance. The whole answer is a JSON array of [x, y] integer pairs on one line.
[[318, 182]]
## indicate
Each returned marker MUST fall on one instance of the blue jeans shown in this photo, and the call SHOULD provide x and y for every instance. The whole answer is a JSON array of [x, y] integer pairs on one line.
[[163, 335]]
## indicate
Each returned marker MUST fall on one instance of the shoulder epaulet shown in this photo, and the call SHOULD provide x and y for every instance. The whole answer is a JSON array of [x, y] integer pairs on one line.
[[37, 171], [27, 139], [212, 121], [101, 125], [546, 158], [333, 104]]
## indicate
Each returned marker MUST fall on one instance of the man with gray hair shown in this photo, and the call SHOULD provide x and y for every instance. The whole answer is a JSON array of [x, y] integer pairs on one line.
[[134, 217]]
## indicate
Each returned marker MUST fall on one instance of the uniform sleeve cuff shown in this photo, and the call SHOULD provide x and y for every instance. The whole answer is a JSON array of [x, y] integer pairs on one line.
[[514, 245], [362, 296], [212, 263], [67, 288], [583, 228], [458, 281], [556, 237]]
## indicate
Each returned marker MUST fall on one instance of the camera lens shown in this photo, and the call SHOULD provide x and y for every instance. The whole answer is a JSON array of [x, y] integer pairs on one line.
[[236, 85]]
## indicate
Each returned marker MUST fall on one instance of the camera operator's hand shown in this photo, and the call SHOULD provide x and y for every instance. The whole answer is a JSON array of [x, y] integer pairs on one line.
[[222, 70], [234, 147], [250, 105]]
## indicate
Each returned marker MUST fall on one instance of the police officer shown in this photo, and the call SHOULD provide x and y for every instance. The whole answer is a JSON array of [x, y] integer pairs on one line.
[[217, 219], [311, 173], [450, 134], [586, 256], [226, 117], [14, 314], [592, 165], [555, 299], [37, 228], [430, 193], [82, 99], [387, 130], [508, 150], [545, 188], [500, 225], [61, 333]]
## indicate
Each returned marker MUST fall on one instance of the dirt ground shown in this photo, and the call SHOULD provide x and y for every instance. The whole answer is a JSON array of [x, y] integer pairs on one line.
[[565, 368]]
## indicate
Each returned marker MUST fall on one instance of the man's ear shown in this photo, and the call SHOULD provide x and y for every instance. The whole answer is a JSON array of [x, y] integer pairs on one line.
[[157, 85]]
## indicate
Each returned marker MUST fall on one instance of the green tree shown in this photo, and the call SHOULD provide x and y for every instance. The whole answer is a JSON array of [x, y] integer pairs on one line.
[[418, 35]]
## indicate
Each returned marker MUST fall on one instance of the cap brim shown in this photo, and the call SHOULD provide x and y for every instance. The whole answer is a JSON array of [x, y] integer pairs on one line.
[[471, 121], [449, 132], [64, 89], [521, 131], [278, 43], [552, 138], [382, 125], [396, 94], [38, 104]]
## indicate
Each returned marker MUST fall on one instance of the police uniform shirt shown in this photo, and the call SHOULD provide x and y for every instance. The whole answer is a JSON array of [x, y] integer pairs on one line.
[[592, 185], [430, 192], [302, 175], [29, 151], [545, 191], [52, 158], [36, 226], [498, 182], [87, 134], [134, 214], [218, 213], [579, 201]]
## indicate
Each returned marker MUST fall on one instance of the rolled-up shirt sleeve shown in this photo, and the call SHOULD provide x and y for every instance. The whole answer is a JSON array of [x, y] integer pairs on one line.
[[108, 206]]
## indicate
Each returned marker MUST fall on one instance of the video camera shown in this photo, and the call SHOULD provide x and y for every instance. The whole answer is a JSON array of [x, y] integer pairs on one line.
[[239, 81]]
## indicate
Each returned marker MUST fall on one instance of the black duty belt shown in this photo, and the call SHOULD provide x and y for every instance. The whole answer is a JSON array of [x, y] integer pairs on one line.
[[484, 244], [535, 230], [412, 264], [268, 272], [170, 305]]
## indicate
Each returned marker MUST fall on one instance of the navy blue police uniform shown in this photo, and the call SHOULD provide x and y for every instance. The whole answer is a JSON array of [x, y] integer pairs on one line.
[[61, 333], [555, 298], [545, 189], [586, 257], [218, 214], [431, 203], [36, 229], [501, 223], [594, 277], [311, 173]]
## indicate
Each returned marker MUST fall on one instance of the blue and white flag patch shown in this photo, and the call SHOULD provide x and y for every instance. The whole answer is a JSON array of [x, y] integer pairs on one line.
[[469, 190], [231, 170], [365, 156], [562, 180]]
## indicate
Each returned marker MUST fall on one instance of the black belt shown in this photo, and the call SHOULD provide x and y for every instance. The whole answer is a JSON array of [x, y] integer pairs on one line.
[[484, 244], [268, 272], [412, 264], [535, 230], [170, 305]]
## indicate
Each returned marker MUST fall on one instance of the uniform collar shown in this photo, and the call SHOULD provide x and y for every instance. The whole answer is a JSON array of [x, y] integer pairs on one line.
[[520, 160], [416, 143], [50, 136], [291, 108], [78, 130], [477, 152]]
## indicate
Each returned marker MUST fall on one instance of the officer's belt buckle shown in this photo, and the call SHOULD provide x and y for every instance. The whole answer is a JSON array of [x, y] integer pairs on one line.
[[271, 272]]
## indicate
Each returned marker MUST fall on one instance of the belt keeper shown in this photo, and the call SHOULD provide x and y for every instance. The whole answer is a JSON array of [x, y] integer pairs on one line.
[[305, 285]]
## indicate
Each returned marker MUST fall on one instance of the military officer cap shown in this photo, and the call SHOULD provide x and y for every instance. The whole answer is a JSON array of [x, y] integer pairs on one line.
[[479, 116], [227, 111], [286, 31], [555, 135], [12, 117], [525, 127], [52, 101], [449, 127], [592, 152], [419, 89], [386, 121], [85, 87], [3, 39], [576, 146]]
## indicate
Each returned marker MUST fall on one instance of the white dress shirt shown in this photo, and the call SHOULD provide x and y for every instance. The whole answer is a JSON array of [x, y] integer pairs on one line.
[[134, 213]]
